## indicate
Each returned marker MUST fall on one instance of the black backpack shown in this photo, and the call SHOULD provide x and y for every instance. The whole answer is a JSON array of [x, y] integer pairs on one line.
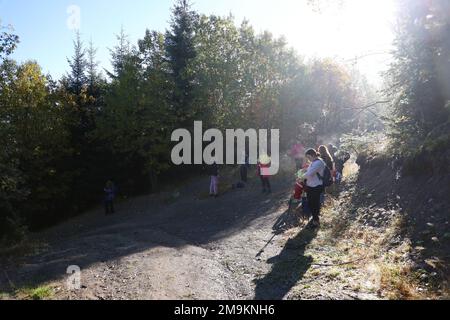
[[327, 178]]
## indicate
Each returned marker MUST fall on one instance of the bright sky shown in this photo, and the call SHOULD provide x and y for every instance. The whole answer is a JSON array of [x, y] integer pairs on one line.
[[357, 28]]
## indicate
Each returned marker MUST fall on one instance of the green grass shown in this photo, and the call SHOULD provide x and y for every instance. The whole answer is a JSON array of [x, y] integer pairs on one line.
[[4, 296], [334, 274], [39, 293]]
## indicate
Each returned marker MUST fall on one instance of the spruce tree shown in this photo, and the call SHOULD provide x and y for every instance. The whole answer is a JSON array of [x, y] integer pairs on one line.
[[77, 77], [180, 52], [93, 76], [120, 54]]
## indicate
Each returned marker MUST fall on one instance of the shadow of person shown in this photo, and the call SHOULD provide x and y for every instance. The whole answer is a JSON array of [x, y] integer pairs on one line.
[[291, 218], [286, 221], [288, 267]]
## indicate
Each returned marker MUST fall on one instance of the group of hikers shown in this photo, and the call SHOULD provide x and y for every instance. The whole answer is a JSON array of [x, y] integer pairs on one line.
[[316, 170], [262, 172]]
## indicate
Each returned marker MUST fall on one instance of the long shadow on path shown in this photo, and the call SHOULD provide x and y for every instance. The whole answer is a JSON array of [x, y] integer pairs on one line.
[[288, 268], [145, 223]]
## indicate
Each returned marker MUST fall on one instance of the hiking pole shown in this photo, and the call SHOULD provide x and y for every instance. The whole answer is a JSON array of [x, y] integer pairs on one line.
[[265, 246]]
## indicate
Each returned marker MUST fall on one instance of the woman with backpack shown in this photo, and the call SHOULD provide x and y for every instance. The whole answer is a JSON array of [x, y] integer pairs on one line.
[[314, 184]]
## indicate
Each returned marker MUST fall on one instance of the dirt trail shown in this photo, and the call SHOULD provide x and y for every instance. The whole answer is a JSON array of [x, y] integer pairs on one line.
[[192, 248]]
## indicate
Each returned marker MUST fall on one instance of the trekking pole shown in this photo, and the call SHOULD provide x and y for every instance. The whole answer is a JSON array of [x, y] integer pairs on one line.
[[265, 246]]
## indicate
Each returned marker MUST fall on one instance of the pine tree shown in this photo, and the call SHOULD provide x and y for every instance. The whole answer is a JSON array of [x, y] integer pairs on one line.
[[93, 77], [77, 77], [120, 54], [180, 52]]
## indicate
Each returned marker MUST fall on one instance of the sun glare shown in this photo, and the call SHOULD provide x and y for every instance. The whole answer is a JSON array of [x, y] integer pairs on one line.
[[347, 30]]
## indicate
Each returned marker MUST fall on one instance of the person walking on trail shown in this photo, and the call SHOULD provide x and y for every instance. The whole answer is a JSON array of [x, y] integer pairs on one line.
[[296, 153], [110, 194], [262, 172], [314, 184], [214, 182], [244, 169]]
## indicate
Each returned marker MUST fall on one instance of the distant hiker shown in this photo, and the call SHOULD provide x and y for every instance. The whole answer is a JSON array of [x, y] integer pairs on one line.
[[297, 153], [262, 172], [314, 184], [110, 195], [214, 183], [244, 169], [341, 160]]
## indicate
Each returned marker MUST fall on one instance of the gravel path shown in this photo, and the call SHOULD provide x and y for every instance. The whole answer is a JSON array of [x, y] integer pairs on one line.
[[192, 248]]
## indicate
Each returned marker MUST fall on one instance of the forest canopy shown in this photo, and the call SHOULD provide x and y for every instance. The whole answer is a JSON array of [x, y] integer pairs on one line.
[[63, 138]]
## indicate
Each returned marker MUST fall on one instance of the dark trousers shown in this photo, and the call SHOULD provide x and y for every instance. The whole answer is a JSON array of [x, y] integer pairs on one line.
[[314, 202], [266, 184], [244, 174], [109, 207]]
